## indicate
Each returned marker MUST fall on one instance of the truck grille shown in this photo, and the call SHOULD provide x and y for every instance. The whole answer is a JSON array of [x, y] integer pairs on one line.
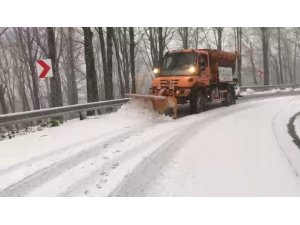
[[167, 83]]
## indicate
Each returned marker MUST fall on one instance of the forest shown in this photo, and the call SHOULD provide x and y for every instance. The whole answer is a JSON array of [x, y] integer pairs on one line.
[[104, 63]]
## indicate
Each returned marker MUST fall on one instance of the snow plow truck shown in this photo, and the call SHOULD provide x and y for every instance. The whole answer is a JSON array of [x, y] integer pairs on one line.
[[194, 76]]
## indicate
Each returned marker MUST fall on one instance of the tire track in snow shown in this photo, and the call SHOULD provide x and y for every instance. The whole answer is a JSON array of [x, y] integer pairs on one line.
[[100, 177], [51, 153], [43, 175], [135, 182], [290, 154], [292, 130], [281, 147]]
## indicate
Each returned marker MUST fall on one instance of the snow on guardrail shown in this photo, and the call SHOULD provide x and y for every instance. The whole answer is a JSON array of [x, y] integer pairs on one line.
[[269, 87], [250, 91]]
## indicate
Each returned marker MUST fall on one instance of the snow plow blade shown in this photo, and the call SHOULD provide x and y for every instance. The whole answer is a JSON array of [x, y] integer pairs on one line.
[[160, 104]]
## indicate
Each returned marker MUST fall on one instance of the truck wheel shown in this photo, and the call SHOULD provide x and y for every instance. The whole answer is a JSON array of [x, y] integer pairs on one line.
[[234, 98], [197, 104], [229, 98]]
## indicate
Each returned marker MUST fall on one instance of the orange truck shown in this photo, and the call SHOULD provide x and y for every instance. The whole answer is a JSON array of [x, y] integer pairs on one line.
[[194, 76]]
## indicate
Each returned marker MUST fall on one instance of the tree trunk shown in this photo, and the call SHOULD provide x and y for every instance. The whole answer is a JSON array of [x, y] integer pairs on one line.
[[71, 78], [265, 44], [295, 63], [108, 79], [91, 76], [279, 55], [21, 45], [161, 46], [55, 84], [22, 88], [220, 34], [253, 64], [2, 100], [34, 78], [184, 34], [132, 61], [119, 65], [153, 47], [103, 53], [196, 37], [275, 66], [239, 54], [124, 51]]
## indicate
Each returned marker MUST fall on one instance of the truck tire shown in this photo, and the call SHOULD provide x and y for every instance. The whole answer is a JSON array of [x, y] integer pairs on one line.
[[197, 103], [234, 97], [229, 98]]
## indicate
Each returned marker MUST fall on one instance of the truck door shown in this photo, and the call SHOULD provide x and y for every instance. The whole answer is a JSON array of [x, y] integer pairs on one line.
[[204, 67]]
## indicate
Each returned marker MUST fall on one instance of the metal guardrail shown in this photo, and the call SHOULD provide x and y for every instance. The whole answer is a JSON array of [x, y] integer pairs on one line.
[[21, 117], [268, 87]]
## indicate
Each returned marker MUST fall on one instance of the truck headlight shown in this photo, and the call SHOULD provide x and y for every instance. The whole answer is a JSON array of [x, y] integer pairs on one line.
[[192, 69], [156, 70]]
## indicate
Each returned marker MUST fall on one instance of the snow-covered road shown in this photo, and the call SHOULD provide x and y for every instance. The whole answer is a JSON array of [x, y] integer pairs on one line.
[[241, 150]]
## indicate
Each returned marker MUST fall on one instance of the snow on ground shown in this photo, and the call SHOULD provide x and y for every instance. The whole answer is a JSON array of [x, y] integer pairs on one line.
[[250, 91], [246, 152], [226, 151]]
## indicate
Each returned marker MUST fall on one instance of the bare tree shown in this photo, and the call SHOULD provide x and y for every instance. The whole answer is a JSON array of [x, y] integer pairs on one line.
[[119, 65], [72, 92], [24, 57], [2, 100], [2, 93], [32, 57], [279, 55], [151, 33], [132, 59], [160, 45], [108, 80], [155, 45], [218, 33], [287, 58], [55, 84], [239, 53], [103, 51], [296, 46], [123, 40], [184, 35], [91, 77], [265, 46], [274, 63]]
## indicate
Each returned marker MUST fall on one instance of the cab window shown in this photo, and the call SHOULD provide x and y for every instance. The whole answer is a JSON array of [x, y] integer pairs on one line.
[[203, 62]]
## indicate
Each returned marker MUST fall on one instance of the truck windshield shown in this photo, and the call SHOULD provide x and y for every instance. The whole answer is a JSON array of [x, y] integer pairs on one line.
[[179, 63]]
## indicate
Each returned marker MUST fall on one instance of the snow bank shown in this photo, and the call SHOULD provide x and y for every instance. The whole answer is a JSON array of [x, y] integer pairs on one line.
[[248, 92], [9, 134], [277, 90], [288, 89]]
